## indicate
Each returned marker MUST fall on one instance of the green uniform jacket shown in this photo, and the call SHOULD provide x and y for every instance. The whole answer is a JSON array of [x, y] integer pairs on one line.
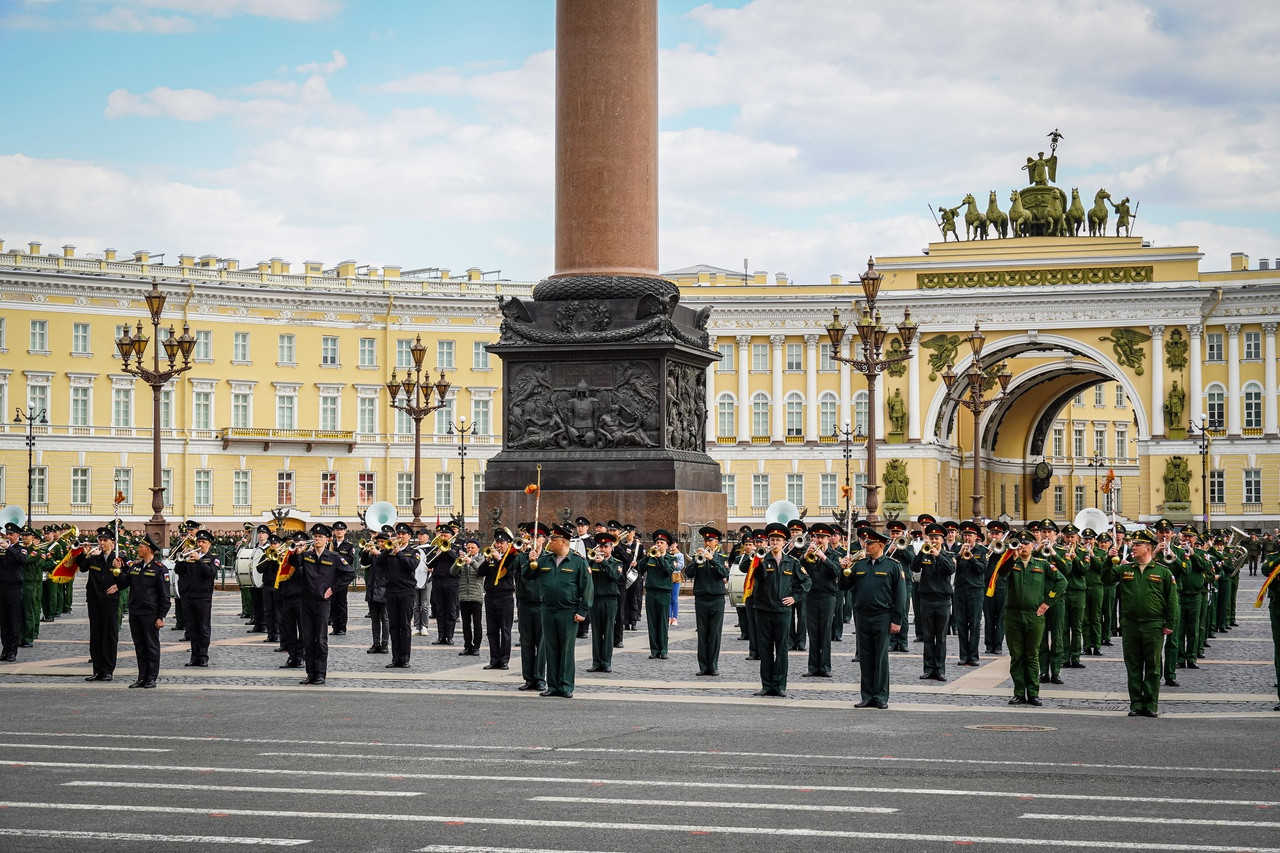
[[605, 577], [1093, 564], [879, 586], [1076, 569], [566, 587], [824, 574], [657, 571], [711, 579], [776, 580], [971, 572], [1147, 593], [1032, 583]]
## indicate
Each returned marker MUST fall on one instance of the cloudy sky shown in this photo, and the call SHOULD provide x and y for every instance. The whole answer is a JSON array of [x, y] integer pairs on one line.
[[802, 135]]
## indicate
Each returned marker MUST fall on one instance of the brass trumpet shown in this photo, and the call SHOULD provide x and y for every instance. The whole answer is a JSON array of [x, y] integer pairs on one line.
[[462, 562], [966, 551], [998, 548], [1167, 557], [1045, 550], [927, 549], [597, 555], [901, 543], [654, 552]]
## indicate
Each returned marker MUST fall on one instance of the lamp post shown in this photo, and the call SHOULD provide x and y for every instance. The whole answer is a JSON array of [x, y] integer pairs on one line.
[[871, 333], [134, 347], [1096, 464], [417, 405], [1200, 431], [31, 416], [462, 429], [846, 436], [977, 404]]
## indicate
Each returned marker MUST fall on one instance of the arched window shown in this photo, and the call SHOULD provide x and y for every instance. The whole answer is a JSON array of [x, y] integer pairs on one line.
[[726, 416], [828, 414], [1253, 406], [760, 415], [1215, 406], [795, 416], [860, 412]]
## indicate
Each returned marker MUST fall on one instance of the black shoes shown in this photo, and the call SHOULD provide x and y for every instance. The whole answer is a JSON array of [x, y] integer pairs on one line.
[[1017, 700], [1172, 682], [866, 704], [134, 684], [1056, 679], [1034, 701], [398, 664]]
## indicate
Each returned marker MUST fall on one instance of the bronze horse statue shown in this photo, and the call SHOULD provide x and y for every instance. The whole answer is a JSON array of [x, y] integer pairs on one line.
[[1019, 216], [1075, 214], [1098, 214], [975, 224], [996, 217]]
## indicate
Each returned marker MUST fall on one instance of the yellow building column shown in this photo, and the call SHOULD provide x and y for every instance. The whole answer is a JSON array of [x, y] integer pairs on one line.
[[1157, 381], [744, 387], [778, 432], [811, 387], [1270, 421], [1195, 393], [913, 395], [1233, 379]]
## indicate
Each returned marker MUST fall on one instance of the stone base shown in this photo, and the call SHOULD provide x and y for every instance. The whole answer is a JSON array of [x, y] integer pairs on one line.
[[894, 438], [1177, 433], [679, 511], [1177, 513]]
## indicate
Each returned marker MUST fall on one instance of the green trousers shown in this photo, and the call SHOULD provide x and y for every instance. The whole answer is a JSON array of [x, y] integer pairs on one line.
[[1172, 647], [50, 599], [559, 632], [1189, 622], [1053, 641], [30, 612], [68, 590], [820, 610], [1275, 640], [1093, 617], [708, 616], [657, 615], [603, 613], [773, 629], [1231, 599], [1143, 644], [1023, 631], [533, 665], [1075, 624], [1110, 625]]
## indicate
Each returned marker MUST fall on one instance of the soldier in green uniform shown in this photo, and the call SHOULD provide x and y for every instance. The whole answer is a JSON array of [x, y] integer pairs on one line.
[[879, 587], [1107, 626], [1034, 585], [43, 553], [1271, 593], [1173, 558], [1053, 643], [605, 574], [65, 590], [970, 581], [822, 566], [1093, 559], [1190, 593], [993, 601], [566, 592], [656, 567], [1075, 559], [931, 572], [770, 587], [710, 575], [1149, 599], [32, 579], [533, 664]]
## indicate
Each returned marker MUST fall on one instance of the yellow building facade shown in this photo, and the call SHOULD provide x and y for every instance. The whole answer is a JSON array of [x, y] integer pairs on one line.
[[285, 404]]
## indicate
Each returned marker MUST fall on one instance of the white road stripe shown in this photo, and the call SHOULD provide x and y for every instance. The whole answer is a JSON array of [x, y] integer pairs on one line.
[[394, 757], [471, 848], [522, 823], [144, 836], [78, 747], [251, 789], [686, 804], [712, 753], [632, 783], [1189, 821]]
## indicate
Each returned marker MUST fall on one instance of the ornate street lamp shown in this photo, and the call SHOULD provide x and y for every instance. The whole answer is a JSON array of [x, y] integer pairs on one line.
[[462, 429], [417, 404], [1203, 440], [131, 349], [847, 437], [867, 358], [31, 416], [977, 404]]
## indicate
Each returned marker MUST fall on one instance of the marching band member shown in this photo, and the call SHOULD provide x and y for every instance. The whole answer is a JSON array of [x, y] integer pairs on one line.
[[879, 590], [147, 580], [931, 571], [102, 565], [631, 554], [605, 571], [1074, 564], [581, 544], [772, 585], [289, 607], [320, 571], [533, 663], [269, 565], [614, 529], [710, 576], [199, 569], [338, 603], [970, 581], [656, 567], [993, 602], [1190, 595], [422, 607], [1033, 585], [499, 572], [1094, 558], [13, 563], [470, 596], [1149, 603], [375, 591], [399, 567], [895, 529], [565, 592], [822, 567], [1053, 643], [444, 587]]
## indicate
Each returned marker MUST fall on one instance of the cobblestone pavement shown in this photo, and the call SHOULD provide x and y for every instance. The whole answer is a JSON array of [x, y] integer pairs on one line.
[[1237, 675]]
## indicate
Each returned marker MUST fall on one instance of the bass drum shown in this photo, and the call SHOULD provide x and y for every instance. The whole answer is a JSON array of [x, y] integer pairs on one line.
[[247, 572], [420, 574]]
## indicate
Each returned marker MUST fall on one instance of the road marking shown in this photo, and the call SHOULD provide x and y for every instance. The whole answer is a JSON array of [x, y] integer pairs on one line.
[[471, 848], [141, 836], [263, 789], [1189, 821], [782, 807], [712, 753], [385, 757], [78, 747], [633, 783], [522, 823]]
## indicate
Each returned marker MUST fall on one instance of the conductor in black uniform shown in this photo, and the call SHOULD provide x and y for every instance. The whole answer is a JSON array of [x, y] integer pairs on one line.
[[198, 569], [102, 568], [320, 571], [147, 580], [338, 604]]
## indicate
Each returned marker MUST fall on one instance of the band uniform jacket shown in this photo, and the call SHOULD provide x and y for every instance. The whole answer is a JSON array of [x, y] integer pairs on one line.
[[604, 576], [933, 573], [327, 570], [13, 563], [971, 572], [399, 571], [774, 580], [879, 586], [148, 585], [506, 585], [711, 579], [198, 576], [102, 573]]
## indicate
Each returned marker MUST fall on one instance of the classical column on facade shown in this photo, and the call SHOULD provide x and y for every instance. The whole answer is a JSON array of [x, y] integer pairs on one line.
[[913, 397], [713, 408], [1195, 393], [1233, 379], [846, 388], [778, 432], [811, 388], [744, 387], [1270, 424], [1157, 381]]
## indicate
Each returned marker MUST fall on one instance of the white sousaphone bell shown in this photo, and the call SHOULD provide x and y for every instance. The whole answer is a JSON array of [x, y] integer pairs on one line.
[[13, 515], [380, 514]]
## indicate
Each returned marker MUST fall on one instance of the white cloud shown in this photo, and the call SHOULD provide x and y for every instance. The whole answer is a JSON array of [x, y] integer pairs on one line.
[[148, 16], [338, 62], [124, 19]]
